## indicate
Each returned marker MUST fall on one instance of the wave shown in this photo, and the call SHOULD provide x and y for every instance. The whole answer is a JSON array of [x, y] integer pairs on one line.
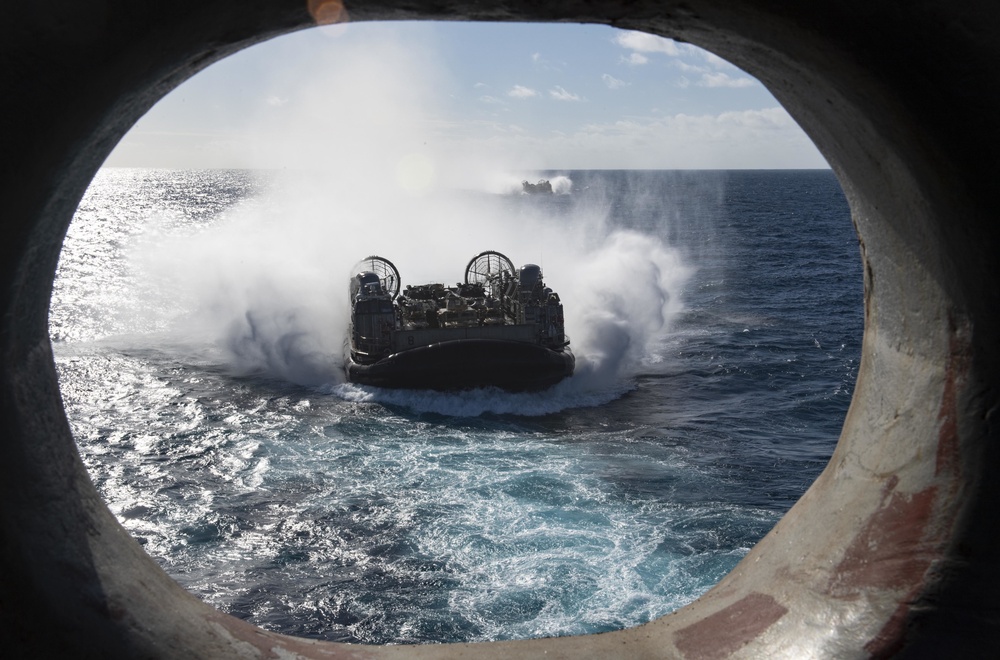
[[571, 393]]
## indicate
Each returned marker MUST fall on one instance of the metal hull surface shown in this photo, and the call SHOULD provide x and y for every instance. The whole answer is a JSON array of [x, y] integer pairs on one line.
[[466, 364]]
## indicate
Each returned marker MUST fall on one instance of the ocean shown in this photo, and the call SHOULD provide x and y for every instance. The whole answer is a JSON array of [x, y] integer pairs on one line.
[[198, 321]]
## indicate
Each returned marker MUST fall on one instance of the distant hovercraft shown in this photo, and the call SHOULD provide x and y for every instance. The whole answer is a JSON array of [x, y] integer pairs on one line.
[[543, 186], [502, 327]]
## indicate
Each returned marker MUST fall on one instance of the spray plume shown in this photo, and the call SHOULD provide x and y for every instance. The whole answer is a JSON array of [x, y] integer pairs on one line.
[[267, 285]]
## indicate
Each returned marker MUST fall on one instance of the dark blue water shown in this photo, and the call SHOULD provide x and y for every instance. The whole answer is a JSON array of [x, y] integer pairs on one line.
[[197, 322]]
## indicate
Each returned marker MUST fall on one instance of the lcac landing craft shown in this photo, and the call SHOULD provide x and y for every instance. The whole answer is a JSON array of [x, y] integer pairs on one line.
[[502, 327]]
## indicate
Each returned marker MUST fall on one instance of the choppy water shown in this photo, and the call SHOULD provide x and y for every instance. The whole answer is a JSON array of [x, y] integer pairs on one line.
[[198, 322]]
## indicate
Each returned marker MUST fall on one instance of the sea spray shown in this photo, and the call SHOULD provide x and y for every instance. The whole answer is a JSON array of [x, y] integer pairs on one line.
[[363, 168], [626, 290], [252, 292], [266, 285]]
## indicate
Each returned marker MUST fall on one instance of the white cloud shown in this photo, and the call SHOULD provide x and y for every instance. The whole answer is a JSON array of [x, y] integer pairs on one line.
[[635, 59], [766, 119], [545, 64], [522, 92], [767, 138], [716, 61], [707, 65], [275, 101], [647, 43], [690, 68], [720, 79], [560, 94], [612, 82]]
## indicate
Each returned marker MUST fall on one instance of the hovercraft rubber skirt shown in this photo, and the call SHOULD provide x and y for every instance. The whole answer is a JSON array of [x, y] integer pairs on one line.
[[466, 364]]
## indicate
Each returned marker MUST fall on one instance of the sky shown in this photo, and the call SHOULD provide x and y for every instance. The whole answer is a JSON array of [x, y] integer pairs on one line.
[[449, 98]]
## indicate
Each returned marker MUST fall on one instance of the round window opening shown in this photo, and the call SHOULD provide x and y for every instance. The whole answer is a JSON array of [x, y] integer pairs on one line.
[[700, 247]]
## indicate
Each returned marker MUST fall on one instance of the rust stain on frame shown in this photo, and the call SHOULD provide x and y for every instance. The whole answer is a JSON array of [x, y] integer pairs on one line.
[[724, 632], [890, 551], [956, 375]]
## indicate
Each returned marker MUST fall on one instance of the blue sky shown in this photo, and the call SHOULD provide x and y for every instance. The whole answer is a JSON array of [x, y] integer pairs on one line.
[[457, 96]]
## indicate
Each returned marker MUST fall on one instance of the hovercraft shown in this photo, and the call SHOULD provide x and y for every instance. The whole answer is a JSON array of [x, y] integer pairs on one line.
[[501, 327], [543, 186]]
